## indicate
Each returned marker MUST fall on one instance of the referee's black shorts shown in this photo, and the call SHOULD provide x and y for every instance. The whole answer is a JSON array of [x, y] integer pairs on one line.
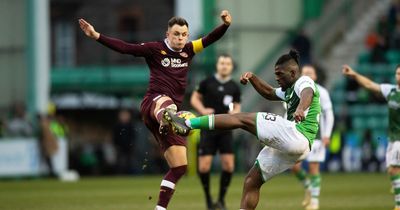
[[213, 141]]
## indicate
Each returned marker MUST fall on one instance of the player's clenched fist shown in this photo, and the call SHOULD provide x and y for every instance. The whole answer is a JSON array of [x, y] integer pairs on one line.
[[348, 71], [299, 115], [244, 79], [88, 29], [226, 17]]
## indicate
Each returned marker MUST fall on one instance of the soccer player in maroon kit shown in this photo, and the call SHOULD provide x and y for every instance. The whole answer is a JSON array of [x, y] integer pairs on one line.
[[168, 61]]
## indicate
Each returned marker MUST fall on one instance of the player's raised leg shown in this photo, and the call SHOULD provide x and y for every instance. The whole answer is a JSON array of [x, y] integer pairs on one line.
[[160, 103], [173, 147], [246, 121]]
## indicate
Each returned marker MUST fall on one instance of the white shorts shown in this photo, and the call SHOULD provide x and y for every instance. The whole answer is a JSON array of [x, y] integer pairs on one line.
[[285, 145], [393, 154], [318, 152]]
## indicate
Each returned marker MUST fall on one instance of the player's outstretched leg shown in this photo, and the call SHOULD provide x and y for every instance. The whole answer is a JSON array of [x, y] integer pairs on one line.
[[181, 126], [161, 103], [251, 189], [302, 176]]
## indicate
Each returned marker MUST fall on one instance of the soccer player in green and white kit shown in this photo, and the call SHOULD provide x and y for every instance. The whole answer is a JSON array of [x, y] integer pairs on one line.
[[312, 181], [286, 141], [392, 95]]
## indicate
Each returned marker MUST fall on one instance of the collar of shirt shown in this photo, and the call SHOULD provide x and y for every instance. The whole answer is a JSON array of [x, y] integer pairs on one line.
[[169, 47], [222, 80]]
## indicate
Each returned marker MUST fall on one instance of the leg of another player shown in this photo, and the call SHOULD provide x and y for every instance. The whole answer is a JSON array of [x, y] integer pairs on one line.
[[246, 121], [160, 105], [302, 176], [177, 161], [315, 185], [394, 172], [251, 189], [204, 175], [228, 166]]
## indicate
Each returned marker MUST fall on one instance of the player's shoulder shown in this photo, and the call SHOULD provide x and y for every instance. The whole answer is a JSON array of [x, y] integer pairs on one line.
[[388, 86], [305, 79]]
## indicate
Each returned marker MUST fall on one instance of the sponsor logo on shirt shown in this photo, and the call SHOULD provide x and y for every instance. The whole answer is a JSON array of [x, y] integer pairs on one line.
[[165, 62], [183, 54], [173, 62]]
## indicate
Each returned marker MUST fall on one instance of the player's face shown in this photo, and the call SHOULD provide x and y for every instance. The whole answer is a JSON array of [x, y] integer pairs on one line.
[[177, 36], [224, 66], [398, 76], [283, 77], [309, 71]]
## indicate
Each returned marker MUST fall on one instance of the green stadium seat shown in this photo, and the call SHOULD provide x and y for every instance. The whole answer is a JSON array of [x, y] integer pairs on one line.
[[393, 56], [364, 57]]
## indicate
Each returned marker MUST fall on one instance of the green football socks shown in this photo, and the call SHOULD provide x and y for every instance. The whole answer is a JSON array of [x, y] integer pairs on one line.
[[204, 122], [302, 177], [396, 186]]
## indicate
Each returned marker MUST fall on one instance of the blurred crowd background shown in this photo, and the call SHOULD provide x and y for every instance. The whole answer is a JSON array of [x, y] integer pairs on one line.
[[68, 103]]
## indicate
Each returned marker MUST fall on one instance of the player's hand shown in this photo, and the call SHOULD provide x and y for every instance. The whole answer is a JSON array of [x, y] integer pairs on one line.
[[245, 77], [348, 71], [326, 141], [226, 17], [299, 115], [88, 29], [207, 111]]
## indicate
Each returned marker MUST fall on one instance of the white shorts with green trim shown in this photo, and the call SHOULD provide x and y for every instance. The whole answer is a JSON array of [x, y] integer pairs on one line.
[[285, 145], [318, 152], [393, 154]]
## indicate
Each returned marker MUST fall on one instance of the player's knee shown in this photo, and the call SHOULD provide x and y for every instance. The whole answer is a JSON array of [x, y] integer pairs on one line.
[[250, 182], [228, 166], [392, 171], [179, 171], [204, 168]]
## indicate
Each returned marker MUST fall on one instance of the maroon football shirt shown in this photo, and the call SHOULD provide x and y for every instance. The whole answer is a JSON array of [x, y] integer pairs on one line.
[[168, 68]]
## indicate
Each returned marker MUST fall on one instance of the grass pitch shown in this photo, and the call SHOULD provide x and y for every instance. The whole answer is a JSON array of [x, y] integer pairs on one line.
[[339, 192]]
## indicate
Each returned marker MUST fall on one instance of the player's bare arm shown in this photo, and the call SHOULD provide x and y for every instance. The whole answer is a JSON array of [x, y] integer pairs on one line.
[[88, 29], [361, 80], [196, 101], [262, 87], [306, 97]]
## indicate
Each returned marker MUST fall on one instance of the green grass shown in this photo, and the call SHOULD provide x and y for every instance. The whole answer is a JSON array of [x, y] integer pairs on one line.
[[339, 192]]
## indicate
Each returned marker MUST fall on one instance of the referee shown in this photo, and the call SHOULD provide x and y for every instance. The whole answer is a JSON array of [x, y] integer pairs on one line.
[[217, 94]]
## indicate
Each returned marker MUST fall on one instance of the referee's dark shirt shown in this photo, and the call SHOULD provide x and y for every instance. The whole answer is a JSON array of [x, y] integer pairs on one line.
[[218, 95]]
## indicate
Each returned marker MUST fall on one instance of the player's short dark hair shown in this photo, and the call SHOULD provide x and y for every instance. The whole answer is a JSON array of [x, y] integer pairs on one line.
[[224, 55], [177, 21], [292, 55], [397, 66]]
